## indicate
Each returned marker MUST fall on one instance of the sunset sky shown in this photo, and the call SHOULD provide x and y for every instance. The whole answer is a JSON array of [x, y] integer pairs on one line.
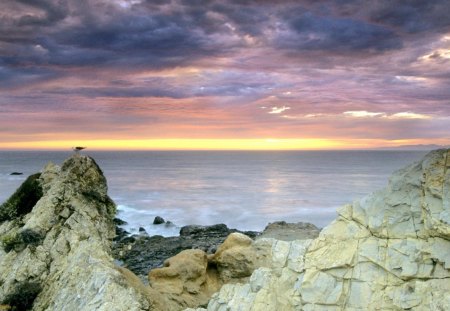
[[236, 74]]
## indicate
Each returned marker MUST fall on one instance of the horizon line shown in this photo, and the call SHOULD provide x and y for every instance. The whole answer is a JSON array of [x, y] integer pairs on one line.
[[222, 144]]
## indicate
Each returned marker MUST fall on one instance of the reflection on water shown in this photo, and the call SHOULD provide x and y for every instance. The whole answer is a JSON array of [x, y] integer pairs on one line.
[[245, 190]]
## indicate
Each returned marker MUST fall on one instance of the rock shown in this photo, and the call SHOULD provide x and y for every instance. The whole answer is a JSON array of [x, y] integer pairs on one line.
[[119, 222], [282, 230], [16, 174], [388, 251], [146, 253], [185, 279], [23, 200], [234, 259], [191, 277], [158, 220], [141, 229], [196, 230], [56, 244], [121, 234]]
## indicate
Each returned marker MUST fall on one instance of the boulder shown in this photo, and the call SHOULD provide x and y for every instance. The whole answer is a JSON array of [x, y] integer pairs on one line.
[[387, 251], [158, 220], [185, 279]]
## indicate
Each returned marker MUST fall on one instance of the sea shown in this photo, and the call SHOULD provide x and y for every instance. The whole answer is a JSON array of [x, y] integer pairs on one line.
[[245, 190]]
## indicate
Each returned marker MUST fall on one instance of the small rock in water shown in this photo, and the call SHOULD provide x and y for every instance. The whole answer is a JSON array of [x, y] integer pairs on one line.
[[16, 173], [158, 220], [141, 229]]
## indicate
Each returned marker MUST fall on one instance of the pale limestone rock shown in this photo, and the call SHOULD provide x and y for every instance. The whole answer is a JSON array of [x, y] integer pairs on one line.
[[388, 251], [71, 263]]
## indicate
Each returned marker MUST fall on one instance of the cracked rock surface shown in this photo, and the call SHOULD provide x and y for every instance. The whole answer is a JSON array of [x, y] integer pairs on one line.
[[388, 251]]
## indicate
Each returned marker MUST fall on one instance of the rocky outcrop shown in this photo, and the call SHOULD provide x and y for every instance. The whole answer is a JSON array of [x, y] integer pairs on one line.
[[191, 277], [141, 253], [56, 241], [388, 251]]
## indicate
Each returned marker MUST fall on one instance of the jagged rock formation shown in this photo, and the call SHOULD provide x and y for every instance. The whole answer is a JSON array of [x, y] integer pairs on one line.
[[54, 255], [388, 251]]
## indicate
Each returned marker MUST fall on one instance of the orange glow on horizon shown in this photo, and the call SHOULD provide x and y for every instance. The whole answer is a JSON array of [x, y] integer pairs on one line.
[[209, 144]]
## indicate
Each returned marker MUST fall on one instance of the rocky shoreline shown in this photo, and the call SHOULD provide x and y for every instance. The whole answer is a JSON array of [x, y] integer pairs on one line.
[[140, 253], [59, 250]]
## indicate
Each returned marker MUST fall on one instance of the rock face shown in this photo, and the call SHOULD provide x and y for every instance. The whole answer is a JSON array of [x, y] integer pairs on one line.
[[55, 255], [388, 251]]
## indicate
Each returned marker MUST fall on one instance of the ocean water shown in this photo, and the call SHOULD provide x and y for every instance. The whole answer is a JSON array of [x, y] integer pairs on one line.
[[243, 189]]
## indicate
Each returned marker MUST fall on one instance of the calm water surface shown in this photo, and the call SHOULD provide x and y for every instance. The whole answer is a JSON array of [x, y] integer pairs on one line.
[[245, 190]]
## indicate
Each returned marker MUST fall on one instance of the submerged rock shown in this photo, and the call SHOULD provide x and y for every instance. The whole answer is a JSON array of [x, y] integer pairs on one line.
[[388, 251]]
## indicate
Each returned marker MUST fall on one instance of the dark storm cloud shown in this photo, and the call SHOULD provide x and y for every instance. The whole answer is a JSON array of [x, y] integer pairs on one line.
[[313, 32], [47, 12], [131, 92], [62, 33], [412, 16]]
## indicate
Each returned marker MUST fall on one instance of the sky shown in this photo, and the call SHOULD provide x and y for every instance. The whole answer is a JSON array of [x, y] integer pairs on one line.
[[234, 74]]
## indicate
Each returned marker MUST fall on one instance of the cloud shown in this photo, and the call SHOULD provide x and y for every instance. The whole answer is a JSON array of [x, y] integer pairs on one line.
[[363, 114], [308, 31], [412, 16], [360, 115], [397, 115], [342, 68], [277, 110], [408, 115]]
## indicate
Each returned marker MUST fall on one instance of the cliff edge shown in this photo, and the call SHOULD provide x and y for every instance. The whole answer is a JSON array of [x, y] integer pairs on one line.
[[388, 251]]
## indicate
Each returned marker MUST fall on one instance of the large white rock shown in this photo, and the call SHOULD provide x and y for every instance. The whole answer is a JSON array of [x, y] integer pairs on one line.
[[388, 251]]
